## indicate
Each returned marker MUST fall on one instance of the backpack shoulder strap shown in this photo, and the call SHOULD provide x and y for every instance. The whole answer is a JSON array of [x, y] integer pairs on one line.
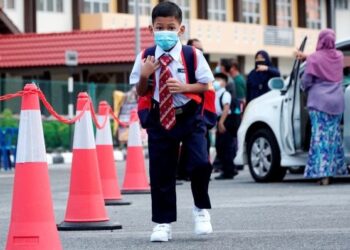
[[220, 100], [190, 62], [149, 52]]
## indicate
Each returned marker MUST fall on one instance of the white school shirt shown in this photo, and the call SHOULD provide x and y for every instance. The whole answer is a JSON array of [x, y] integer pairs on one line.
[[226, 99], [203, 73]]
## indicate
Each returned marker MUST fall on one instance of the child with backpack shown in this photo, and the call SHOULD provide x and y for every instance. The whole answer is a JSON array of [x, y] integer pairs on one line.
[[172, 81], [227, 109]]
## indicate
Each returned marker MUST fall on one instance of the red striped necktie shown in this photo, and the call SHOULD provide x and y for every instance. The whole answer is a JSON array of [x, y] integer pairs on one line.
[[166, 108]]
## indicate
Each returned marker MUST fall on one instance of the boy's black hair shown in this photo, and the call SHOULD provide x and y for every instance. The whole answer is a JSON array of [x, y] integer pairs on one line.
[[167, 9], [221, 76]]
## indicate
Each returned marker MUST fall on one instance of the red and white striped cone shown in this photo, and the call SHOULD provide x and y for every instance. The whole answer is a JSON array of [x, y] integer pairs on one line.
[[104, 148], [85, 207], [135, 179], [32, 223]]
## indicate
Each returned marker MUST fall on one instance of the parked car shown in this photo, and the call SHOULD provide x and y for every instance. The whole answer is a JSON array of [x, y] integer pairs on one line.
[[274, 134]]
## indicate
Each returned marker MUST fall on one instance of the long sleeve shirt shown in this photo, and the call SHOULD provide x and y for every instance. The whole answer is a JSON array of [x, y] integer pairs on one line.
[[323, 96]]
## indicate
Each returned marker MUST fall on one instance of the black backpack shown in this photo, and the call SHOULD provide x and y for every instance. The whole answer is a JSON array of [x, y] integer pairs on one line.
[[233, 120]]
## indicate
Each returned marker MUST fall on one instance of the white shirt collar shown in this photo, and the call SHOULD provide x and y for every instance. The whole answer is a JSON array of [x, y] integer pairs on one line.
[[174, 52]]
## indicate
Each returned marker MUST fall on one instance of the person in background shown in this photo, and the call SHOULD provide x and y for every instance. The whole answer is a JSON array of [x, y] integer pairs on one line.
[[322, 80], [225, 67], [258, 78], [225, 147], [238, 78], [195, 43]]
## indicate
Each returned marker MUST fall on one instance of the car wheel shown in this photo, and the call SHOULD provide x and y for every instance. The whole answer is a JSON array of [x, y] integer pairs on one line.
[[264, 158]]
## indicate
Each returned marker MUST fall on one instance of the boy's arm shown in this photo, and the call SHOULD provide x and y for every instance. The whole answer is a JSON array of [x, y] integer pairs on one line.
[[221, 126], [175, 87]]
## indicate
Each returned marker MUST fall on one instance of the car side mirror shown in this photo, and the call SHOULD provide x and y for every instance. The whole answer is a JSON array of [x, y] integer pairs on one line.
[[276, 83]]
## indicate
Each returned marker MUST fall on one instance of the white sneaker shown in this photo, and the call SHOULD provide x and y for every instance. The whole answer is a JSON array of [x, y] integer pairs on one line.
[[202, 223], [161, 233]]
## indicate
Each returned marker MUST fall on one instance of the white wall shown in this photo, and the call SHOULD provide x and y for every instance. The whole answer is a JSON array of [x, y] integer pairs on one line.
[[342, 23], [55, 21], [285, 65], [16, 15]]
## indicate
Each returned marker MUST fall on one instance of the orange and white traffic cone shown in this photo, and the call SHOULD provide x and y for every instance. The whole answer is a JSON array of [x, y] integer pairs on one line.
[[104, 148], [135, 179], [85, 207], [32, 223]]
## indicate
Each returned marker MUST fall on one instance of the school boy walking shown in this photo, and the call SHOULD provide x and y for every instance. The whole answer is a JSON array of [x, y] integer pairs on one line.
[[171, 110]]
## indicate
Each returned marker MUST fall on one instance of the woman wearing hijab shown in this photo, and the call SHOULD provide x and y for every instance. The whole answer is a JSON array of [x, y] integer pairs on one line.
[[322, 81], [258, 78]]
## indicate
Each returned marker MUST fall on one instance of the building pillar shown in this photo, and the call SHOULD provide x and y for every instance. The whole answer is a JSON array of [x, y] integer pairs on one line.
[[229, 10], [271, 12], [301, 14], [30, 16], [77, 9], [202, 10], [264, 12]]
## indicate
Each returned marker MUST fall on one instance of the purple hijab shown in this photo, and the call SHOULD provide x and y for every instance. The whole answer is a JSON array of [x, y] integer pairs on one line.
[[327, 62]]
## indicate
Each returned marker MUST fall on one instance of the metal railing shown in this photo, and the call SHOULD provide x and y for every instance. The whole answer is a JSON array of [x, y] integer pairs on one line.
[[56, 93]]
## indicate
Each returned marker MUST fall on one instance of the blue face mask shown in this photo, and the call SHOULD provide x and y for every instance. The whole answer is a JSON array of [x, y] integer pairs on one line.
[[216, 85], [166, 39]]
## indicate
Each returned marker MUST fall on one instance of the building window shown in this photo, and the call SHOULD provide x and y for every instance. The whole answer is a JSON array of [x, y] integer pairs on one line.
[[313, 14], [217, 10], [50, 5], [185, 7], [284, 13], [59, 5], [342, 4], [144, 7], [7, 4], [251, 11], [96, 6]]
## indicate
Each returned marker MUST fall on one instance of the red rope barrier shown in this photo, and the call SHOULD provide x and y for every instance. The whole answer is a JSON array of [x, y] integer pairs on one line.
[[123, 124], [17, 94], [94, 117], [60, 118], [56, 115]]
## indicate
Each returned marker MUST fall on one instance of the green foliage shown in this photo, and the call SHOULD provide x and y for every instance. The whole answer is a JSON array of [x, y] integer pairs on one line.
[[56, 135], [7, 119]]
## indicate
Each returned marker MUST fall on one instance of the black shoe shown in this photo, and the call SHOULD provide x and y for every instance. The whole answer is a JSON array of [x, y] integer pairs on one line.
[[224, 177]]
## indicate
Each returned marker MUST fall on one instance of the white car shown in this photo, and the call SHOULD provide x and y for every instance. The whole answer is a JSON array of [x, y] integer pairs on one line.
[[274, 134]]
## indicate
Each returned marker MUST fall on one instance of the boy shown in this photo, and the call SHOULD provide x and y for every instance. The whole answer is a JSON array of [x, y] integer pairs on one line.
[[174, 116], [225, 147]]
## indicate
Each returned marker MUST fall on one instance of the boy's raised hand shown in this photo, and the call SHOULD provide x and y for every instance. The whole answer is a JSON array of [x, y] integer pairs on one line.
[[175, 86], [148, 66]]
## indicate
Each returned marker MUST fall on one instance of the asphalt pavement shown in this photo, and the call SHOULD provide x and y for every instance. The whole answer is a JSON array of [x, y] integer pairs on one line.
[[294, 214]]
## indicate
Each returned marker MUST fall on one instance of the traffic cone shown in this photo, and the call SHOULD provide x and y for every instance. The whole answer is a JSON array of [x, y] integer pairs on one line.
[[104, 148], [135, 179], [85, 207], [32, 223]]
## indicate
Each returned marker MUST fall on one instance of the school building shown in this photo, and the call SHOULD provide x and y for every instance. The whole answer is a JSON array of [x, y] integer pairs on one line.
[[227, 28]]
